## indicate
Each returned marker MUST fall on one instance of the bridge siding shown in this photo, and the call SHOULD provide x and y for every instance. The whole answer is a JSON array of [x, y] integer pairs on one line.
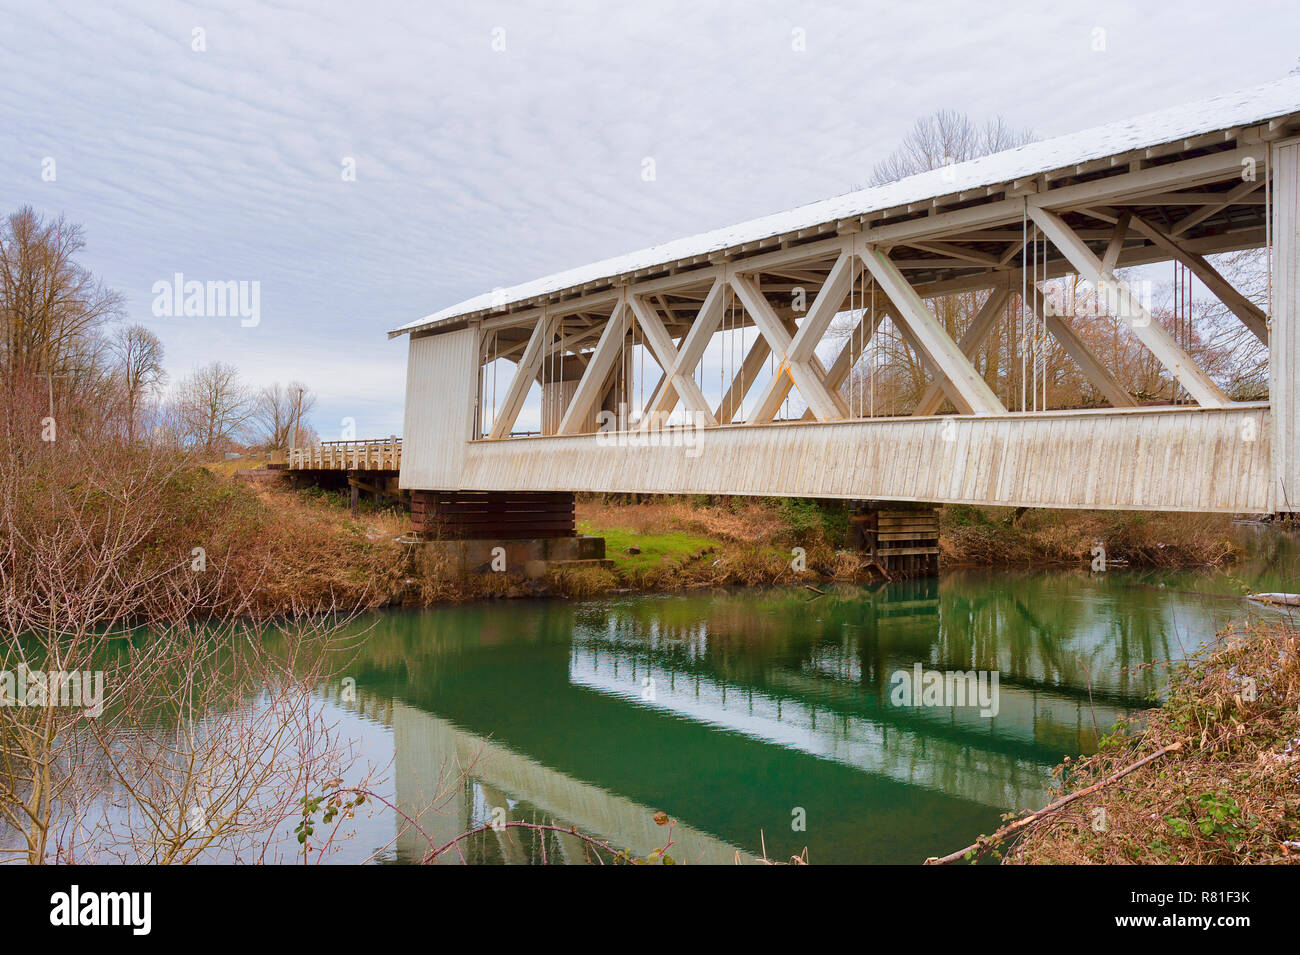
[[1176, 459], [1284, 346], [441, 382]]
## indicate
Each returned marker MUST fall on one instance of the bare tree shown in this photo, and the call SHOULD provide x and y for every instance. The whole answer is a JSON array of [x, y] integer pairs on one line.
[[196, 744], [946, 137], [212, 406], [137, 365], [278, 412], [1245, 371], [897, 376], [50, 306]]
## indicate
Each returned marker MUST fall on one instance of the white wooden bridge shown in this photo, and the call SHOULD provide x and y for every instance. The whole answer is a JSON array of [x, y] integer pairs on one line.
[[1217, 176]]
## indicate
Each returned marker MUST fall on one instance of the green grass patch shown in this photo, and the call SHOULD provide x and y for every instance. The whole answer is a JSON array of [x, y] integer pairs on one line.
[[655, 548]]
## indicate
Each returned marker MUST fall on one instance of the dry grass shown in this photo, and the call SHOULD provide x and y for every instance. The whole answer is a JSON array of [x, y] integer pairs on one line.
[[739, 520], [311, 556], [581, 582], [308, 552], [992, 536], [1231, 794], [226, 469]]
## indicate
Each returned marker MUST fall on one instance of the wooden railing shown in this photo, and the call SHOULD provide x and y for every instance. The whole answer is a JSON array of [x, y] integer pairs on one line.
[[380, 454]]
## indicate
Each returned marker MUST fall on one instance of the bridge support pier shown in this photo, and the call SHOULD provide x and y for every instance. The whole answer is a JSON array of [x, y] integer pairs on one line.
[[901, 538], [503, 531], [481, 515]]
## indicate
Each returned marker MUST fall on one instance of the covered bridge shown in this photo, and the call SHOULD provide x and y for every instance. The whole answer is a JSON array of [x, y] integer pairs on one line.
[[607, 362]]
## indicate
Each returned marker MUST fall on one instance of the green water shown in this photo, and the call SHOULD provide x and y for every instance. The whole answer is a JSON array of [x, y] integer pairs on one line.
[[764, 718]]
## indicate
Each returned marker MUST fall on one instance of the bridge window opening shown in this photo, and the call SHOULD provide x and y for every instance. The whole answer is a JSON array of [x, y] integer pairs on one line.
[[875, 355], [854, 308], [1025, 335], [1268, 228], [502, 351], [488, 375], [1181, 319], [1045, 350]]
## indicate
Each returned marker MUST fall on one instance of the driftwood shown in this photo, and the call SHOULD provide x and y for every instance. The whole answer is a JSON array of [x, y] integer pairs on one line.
[[1001, 834], [1286, 600]]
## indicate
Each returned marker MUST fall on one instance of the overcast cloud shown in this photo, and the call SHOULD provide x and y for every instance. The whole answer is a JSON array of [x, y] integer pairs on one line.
[[478, 168]]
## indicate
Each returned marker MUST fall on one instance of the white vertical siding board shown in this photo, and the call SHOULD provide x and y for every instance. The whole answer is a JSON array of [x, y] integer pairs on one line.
[[1194, 484], [992, 450], [1283, 345], [985, 449], [1208, 448], [1067, 485], [929, 463], [1010, 449]]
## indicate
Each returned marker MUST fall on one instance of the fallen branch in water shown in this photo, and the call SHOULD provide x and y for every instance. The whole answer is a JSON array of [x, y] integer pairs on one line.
[[986, 842]]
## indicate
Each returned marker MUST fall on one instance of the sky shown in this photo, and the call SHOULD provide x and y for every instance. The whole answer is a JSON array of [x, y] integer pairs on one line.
[[368, 164]]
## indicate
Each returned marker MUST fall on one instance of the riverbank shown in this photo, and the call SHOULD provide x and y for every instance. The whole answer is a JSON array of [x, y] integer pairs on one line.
[[1223, 789], [325, 556], [993, 537]]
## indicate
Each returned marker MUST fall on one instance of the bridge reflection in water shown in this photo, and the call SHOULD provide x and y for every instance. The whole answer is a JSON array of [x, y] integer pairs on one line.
[[733, 711]]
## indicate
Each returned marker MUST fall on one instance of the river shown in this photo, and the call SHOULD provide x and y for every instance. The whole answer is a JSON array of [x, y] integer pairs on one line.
[[763, 720], [842, 724]]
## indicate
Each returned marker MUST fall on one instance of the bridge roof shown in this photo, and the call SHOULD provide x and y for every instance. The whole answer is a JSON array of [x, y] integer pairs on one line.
[[1225, 112]]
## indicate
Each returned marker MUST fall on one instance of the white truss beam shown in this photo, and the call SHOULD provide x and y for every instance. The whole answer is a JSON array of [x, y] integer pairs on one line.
[[750, 368], [1115, 247], [1251, 315], [852, 349], [1091, 366], [986, 319], [804, 343], [931, 370], [1229, 198], [1124, 305], [679, 366], [946, 359], [579, 414], [826, 405], [676, 375]]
